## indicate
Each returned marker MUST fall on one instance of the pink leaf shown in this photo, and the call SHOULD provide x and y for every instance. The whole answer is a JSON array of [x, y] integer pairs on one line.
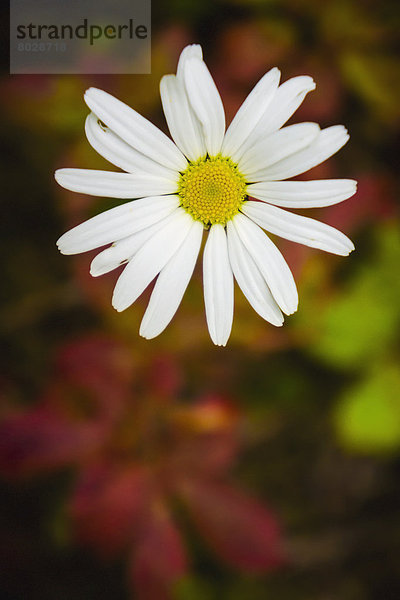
[[107, 506], [42, 439], [163, 377], [160, 557], [99, 365], [207, 454], [238, 528]]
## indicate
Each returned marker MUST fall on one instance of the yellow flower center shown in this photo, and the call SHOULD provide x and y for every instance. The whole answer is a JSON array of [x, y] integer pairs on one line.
[[212, 190]]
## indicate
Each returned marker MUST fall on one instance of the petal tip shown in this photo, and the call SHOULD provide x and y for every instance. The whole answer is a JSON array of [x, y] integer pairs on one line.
[[91, 90], [193, 50], [147, 335], [291, 309], [275, 73], [63, 249], [94, 272], [118, 308], [91, 93], [60, 176], [116, 302], [119, 303], [347, 247], [311, 84], [220, 339]]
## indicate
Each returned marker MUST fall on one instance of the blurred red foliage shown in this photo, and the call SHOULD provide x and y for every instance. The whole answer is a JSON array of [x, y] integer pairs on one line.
[[136, 447]]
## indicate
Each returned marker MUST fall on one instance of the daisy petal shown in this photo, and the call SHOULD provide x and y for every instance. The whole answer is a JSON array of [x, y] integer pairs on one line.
[[270, 262], [250, 113], [109, 184], [329, 141], [119, 153], [250, 280], [191, 51], [150, 259], [134, 129], [284, 103], [123, 250], [171, 284], [218, 286], [268, 151], [206, 103], [183, 124], [297, 228], [303, 194], [117, 223]]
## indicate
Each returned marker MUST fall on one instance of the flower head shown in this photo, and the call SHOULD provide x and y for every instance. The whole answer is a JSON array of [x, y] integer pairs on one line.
[[205, 181]]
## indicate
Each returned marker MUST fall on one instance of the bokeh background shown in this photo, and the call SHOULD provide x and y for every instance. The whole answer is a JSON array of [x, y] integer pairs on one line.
[[170, 468]]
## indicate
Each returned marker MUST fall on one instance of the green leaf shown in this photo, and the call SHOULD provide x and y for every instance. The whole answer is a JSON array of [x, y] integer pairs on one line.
[[367, 418], [360, 325]]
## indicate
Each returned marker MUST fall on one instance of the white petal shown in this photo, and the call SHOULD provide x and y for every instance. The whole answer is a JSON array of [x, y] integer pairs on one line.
[[329, 141], [119, 153], [250, 280], [250, 113], [270, 261], [109, 184], [183, 124], [275, 147], [123, 250], [297, 228], [171, 284], [206, 103], [193, 50], [303, 194], [150, 259], [134, 129], [285, 102], [117, 223], [218, 286]]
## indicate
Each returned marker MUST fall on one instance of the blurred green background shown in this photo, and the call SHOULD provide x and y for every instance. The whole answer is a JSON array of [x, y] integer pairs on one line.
[[305, 418]]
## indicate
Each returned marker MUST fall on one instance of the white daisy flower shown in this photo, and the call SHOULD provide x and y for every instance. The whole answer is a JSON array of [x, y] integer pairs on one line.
[[204, 181]]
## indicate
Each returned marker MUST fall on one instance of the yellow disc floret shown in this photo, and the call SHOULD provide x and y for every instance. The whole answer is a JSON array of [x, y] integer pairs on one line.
[[212, 190]]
